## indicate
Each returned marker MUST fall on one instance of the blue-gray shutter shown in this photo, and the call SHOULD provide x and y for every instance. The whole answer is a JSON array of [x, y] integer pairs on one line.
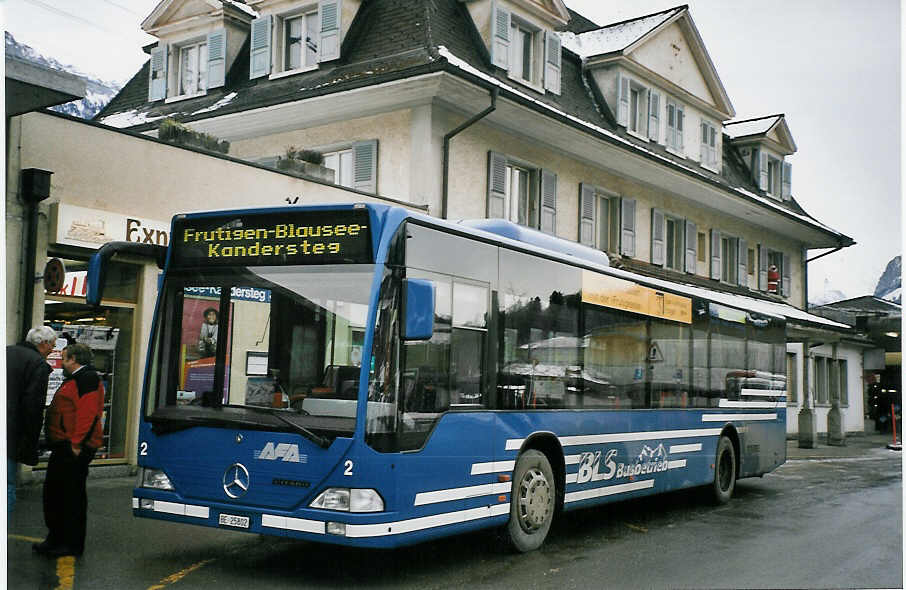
[[762, 170], [658, 222], [500, 37], [260, 48], [496, 185], [364, 165], [691, 258], [552, 62], [157, 84], [654, 115], [787, 181], [680, 117], [715, 254], [627, 227], [786, 283], [329, 46], [548, 202], [762, 268], [587, 215], [216, 58], [742, 263], [622, 99]]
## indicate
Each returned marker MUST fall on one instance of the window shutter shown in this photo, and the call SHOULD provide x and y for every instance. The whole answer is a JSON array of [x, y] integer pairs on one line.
[[762, 268], [496, 185], [691, 247], [786, 282], [500, 37], [657, 237], [654, 115], [742, 263], [587, 215], [786, 185], [157, 85], [715, 254], [762, 170], [329, 47], [680, 115], [364, 175], [260, 48], [622, 99], [552, 62], [627, 227], [216, 58], [548, 202]]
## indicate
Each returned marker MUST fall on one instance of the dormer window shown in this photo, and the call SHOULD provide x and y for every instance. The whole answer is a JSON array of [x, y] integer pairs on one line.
[[773, 182], [639, 108], [193, 68], [523, 50], [709, 145], [300, 41], [675, 116], [528, 51]]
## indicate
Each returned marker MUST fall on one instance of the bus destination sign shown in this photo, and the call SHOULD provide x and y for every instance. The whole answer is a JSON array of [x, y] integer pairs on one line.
[[263, 239]]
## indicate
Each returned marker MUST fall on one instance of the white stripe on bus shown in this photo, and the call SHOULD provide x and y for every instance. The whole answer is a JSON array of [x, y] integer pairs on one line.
[[515, 444], [176, 508], [425, 522], [685, 448], [293, 524], [726, 403], [676, 464], [608, 490], [492, 467], [736, 417], [763, 392], [451, 494]]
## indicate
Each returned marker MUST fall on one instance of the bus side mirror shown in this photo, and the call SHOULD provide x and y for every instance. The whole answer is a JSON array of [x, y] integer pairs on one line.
[[97, 265], [418, 309]]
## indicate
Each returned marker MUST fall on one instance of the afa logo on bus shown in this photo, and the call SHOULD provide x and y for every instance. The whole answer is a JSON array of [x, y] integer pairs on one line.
[[284, 451]]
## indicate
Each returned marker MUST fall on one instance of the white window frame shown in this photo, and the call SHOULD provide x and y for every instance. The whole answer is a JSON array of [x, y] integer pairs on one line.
[[176, 55], [729, 259], [678, 243], [530, 197], [638, 99], [675, 131], [519, 26], [777, 255], [340, 171], [280, 33], [775, 176], [709, 146], [607, 221]]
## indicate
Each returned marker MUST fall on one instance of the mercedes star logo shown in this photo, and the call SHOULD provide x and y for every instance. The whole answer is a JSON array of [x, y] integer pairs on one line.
[[236, 480]]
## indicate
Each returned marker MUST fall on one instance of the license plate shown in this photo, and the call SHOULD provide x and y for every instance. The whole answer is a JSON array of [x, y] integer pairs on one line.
[[241, 522]]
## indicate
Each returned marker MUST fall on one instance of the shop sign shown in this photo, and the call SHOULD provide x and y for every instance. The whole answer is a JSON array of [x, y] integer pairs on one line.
[[91, 228]]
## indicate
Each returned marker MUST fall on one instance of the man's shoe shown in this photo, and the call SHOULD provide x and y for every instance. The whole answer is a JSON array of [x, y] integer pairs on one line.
[[51, 550]]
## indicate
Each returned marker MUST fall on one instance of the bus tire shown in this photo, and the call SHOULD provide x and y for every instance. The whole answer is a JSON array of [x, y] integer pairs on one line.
[[724, 471], [532, 501]]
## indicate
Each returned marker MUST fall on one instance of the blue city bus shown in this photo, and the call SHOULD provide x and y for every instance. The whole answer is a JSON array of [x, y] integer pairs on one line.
[[364, 375]]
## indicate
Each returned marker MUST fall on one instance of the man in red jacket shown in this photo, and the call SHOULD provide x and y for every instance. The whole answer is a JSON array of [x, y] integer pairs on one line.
[[75, 431]]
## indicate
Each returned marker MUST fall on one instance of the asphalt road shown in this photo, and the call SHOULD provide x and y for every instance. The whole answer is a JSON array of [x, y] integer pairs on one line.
[[817, 523]]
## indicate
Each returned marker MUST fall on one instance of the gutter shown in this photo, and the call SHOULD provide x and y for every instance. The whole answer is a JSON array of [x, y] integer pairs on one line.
[[446, 150]]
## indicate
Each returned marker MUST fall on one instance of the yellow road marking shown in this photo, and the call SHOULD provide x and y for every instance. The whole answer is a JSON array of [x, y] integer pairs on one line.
[[179, 575], [24, 538], [65, 572], [637, 528]]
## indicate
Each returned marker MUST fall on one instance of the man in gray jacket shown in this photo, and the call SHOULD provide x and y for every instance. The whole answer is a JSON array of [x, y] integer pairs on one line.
[[26, 391]]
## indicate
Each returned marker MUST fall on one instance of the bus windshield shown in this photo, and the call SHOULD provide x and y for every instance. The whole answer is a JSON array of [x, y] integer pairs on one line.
[[288, 339]]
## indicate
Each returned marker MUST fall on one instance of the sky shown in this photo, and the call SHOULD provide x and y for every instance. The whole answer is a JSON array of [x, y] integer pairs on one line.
[[831, 66]]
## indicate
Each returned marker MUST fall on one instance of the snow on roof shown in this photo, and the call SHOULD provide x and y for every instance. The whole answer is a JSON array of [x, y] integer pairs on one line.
[[220, 103], [614, 37], [128, 119], [751, 127], [242, 6]]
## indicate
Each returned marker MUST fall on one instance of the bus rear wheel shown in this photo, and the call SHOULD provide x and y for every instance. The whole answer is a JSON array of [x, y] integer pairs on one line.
[[724, 471], [531, 501]]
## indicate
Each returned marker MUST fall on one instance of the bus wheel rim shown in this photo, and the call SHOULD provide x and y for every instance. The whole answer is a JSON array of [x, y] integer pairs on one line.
[[726, 471], [535, 500]]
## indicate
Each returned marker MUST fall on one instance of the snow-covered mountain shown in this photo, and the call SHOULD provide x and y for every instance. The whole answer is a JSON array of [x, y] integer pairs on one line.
[[889, 284], [98, 94], [827, 295]]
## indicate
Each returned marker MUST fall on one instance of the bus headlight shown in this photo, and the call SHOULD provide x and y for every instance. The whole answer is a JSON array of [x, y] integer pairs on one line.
[[156, 479], [349, 500]]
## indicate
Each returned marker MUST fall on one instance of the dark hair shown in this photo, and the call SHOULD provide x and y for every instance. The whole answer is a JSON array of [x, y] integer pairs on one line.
[[209, 310], [80, 352]]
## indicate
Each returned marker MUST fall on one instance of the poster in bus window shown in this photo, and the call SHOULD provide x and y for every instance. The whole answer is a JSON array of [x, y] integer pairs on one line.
[[198, 347]]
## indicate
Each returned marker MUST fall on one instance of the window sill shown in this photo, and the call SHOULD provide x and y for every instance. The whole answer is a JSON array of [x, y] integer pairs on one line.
[[528, 84], [287, 73], [185, 97], [637, 135], [715, 169], [676, 152]]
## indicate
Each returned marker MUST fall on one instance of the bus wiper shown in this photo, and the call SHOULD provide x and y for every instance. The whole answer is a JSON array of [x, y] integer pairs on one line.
[[317, 439]]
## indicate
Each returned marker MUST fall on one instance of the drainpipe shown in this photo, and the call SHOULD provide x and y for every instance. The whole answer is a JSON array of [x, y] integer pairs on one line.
[[449, 136], [34, 188]]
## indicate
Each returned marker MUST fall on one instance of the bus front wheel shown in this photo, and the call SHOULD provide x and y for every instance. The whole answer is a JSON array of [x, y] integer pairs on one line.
[[724, 471], [531, 501]]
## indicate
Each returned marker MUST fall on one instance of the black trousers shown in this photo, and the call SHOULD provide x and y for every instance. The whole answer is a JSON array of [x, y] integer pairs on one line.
[[65, 498]]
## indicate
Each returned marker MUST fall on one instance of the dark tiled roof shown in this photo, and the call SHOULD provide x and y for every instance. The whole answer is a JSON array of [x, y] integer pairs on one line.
[[395, 39], [580, 24]]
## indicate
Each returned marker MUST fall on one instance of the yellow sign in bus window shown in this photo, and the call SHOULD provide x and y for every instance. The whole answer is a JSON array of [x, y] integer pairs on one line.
[[616, 293]]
